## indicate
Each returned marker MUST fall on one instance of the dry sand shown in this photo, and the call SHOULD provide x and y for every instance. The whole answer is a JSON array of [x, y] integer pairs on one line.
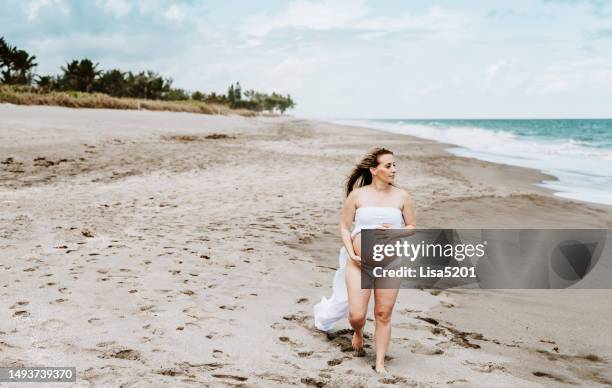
[[143, 251]]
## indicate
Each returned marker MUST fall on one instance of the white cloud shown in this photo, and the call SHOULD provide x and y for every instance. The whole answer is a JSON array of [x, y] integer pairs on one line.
[[110, 50], [316, 15], [115, 43], [592, 74], [294, 73], [119, 8], [436, 19], [549, 84], [344, 14], [172, 11], [430, 90], [176, 13], [34, 7], [149, 6], [494, 69]]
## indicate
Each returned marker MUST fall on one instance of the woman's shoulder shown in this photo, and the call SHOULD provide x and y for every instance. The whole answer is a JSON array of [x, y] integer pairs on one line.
[[357, 192], [403, 194], [400, 191], [355, 195]]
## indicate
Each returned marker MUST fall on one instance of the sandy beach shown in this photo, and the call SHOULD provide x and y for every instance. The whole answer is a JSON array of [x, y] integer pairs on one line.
[[160, 248]]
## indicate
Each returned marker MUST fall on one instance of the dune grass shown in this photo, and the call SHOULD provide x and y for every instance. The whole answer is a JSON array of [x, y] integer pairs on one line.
[[21, 95]]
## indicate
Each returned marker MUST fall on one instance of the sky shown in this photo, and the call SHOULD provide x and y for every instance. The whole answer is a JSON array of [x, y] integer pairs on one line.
[[346, 59]]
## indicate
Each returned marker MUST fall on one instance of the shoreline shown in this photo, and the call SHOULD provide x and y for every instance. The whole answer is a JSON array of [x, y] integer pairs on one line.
[[524, 177], [140, 248], [482, 171], [565, 174]]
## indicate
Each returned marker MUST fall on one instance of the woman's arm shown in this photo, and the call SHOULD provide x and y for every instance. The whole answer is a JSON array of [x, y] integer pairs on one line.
[[409, 211], [346, 220]]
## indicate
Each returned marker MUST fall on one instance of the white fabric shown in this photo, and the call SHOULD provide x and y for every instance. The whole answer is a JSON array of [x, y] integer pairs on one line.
[[329, 311]]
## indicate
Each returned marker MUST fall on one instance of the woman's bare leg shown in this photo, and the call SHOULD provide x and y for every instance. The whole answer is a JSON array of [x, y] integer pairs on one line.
[[384, 300], [358, 298], [358, 302]]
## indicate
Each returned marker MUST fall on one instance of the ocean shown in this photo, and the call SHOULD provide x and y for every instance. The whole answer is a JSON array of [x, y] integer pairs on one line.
[[578, 152]]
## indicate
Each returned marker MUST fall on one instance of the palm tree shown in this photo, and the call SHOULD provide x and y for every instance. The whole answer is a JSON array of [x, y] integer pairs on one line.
[[70, 77], [80, 75], [157, 86], [46, 83], [15, 65], [5, 50], [148, 85], [113, 82], [22, 64]]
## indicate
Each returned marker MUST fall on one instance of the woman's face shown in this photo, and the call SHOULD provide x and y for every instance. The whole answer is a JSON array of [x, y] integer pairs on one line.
[[385, 171]]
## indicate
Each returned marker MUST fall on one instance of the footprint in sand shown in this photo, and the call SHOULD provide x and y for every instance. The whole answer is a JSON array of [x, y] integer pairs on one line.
[[231, 377], [172, 372], [288, 340], [458, 383], [552, 377], [343, 339], [419, 348], [395, 380], [487, 367], [123, 354], [19, 303], [278, 326], [461, 338], [294, 318], [149, 308], [218, 353], [337, 361], [95, 322], [105, 344], [231, 307], [313, 382], [53, 324]]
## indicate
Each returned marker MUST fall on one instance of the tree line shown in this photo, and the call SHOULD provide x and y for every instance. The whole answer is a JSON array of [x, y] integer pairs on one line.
[[83, 75]]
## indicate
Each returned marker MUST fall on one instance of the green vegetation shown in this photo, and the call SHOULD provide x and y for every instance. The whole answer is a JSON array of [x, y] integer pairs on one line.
[[83, 84]]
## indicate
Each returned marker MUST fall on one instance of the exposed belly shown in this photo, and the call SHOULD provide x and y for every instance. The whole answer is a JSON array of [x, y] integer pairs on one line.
[[357, 244]]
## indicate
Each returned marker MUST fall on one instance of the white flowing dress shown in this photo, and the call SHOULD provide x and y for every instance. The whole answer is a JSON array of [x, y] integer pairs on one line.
[[329, 311]]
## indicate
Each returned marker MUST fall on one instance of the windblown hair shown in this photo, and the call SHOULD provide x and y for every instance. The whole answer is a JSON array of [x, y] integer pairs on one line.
[[361, 175]]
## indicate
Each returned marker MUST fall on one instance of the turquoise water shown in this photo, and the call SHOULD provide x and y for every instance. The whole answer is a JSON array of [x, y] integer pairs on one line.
[[590, 133], [578, 152]]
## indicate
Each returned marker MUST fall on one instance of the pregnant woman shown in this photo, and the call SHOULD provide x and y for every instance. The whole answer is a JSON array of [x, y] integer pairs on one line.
[[372, 201]]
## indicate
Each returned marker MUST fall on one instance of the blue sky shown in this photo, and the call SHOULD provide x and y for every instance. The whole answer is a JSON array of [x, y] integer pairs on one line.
[[346, 59]]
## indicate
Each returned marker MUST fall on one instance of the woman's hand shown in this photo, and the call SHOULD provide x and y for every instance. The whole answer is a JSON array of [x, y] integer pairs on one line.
[[381, 232], [386, 236], [356, 259]]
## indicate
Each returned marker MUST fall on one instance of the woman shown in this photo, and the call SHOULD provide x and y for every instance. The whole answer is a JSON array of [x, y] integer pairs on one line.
[[372, 201]]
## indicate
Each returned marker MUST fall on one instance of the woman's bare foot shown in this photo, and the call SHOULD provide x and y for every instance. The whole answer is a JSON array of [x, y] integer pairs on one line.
[[357, 340], [380, 369]]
